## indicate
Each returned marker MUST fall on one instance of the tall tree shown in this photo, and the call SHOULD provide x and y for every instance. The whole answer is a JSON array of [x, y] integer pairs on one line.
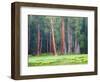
[[77, 33], [38, 39], [52, 36], [63, 44], [69, 29]]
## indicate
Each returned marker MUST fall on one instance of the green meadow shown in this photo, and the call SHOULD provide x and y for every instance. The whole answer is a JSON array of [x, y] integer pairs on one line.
[[49, 60]]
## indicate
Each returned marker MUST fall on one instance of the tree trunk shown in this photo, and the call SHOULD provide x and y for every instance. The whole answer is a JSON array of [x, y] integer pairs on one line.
[[69, 29], [63, 44], [52, 37], [38, 39], [77, 46]]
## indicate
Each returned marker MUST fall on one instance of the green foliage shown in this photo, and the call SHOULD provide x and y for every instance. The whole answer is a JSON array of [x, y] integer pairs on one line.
[[47, 59]]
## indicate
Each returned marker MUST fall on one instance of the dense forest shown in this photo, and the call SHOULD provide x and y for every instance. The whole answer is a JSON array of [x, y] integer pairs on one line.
[[57, 35]]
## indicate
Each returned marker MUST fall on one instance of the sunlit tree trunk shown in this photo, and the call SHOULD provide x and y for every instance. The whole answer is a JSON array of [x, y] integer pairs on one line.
[[69, 29], [52, 37], [63, 44]]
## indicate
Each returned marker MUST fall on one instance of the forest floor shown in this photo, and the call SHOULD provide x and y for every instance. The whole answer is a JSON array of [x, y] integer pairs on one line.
[[45, 60]]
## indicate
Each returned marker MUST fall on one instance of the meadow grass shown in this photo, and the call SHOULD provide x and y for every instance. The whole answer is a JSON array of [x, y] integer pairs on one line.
[[49, 60]]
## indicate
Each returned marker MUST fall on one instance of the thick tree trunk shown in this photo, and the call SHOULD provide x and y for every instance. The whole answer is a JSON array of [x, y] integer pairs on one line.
[[63, 44], [69, 29], [52, 37], [38, 40]]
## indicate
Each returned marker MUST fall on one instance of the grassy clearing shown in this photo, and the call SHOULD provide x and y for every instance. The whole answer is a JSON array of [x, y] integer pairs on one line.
[[48, 60]]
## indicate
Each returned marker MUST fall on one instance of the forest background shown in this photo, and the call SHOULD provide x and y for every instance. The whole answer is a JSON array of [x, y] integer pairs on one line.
[[50, 36]]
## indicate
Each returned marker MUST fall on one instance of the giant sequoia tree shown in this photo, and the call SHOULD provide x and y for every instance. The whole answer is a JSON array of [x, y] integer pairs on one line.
[[57, 35], [53, 37], [63, 44], [38, 36]]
